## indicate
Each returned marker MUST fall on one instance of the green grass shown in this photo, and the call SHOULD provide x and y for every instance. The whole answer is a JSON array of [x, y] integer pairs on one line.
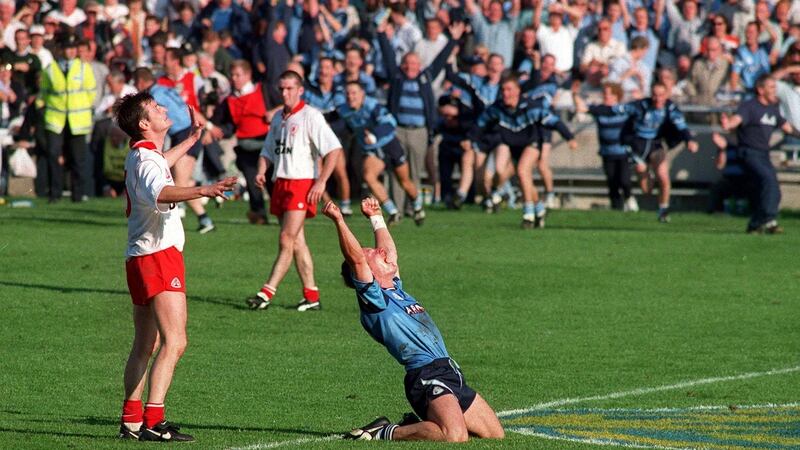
[[599, 302]]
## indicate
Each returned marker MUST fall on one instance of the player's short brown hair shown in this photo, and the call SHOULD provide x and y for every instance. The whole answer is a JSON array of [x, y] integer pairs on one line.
[[291, 75], [129, 111]]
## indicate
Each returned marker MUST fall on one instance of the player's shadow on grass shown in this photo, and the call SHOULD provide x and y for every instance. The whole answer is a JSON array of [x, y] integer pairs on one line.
[[112, 425], [62, 220], [236, 304], [28, 431], [106, 421], [63, 289], [642, 229]]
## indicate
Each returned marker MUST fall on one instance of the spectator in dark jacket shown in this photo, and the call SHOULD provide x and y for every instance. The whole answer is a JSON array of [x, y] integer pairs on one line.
[[225, 15], [271, 56], [185, 27]]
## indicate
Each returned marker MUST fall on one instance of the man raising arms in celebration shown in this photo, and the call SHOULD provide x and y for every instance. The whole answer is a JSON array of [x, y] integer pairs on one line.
[[297, 136], [154, 264], [435, 387]]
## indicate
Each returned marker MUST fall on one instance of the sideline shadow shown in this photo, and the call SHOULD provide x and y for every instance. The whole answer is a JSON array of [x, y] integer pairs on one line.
[[51, 220], [71, 290], [114, 422], [63, 289], [28, 431]]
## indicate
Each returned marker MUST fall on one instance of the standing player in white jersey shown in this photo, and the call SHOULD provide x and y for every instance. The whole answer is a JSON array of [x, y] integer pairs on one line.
[[297, 138], [154, 263]]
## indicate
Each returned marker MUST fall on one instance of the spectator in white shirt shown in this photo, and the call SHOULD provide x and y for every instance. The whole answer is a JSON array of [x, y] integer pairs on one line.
[[493, 29], [600, 53], [631, 71], [556, 38], [37, 45], [68, 13], [427, 49], [406, 34]]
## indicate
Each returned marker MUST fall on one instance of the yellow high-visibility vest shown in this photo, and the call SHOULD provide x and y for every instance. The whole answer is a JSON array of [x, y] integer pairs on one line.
[[68, 98]]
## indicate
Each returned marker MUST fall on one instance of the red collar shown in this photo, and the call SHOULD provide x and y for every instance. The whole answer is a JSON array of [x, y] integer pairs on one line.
[[294, 110], [145, 145]]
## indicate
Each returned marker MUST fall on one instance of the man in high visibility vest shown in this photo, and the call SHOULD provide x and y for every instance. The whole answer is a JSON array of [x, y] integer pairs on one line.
[[67, 92]]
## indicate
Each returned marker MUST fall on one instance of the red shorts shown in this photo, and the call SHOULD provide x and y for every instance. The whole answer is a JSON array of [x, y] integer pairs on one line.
[[291, 195], [150, 275]]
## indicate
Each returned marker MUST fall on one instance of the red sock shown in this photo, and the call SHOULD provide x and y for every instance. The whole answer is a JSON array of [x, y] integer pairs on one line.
[[311, 294], [153, 414], [132, 411], [268, 290]]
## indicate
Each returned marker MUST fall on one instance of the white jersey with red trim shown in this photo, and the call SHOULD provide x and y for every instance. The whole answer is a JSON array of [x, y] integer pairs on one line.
[[296, 140], [152, 226]]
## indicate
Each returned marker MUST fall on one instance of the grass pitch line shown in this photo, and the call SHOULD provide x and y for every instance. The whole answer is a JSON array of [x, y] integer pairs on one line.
[[291, 443], [567, 401], [650, 390], [526, 432]]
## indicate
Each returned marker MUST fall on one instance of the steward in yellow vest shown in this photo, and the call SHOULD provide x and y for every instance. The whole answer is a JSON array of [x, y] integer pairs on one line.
[[67, 94], [68, 98]]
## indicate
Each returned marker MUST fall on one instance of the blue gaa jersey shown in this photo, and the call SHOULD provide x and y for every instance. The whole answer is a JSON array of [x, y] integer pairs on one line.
[[610, 123], [399, 323]]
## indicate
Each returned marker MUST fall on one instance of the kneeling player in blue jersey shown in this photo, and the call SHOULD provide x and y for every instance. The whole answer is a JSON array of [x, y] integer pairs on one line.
[[449, 409]]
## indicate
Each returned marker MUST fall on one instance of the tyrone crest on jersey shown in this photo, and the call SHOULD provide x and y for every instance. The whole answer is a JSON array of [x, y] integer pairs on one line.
[[416, 308]]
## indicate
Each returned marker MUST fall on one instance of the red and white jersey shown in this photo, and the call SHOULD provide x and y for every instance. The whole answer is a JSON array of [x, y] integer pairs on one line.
[[152, 226], [296, 140]]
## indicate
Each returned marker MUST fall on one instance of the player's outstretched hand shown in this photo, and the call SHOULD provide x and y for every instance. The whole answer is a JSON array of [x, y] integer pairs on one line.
[[370, 207], [219, 188], [332, 211], [573, 144], [693, 146]]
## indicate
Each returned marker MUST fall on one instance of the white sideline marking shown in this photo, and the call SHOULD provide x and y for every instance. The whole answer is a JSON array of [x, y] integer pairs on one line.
[[572, 401], [286, 443], [528, 432], [690, 408], [650, 390]]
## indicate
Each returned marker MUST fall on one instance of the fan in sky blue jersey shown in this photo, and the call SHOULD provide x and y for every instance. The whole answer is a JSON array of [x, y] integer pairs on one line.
[[512, 125], [652, 121], [447, 409], [373, 127]]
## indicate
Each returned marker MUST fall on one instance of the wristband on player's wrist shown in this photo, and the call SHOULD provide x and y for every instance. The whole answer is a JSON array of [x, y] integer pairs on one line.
[[377, 222]]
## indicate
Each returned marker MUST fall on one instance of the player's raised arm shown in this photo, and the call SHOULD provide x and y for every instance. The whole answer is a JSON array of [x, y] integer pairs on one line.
[[351, 248], [176, 152], [371, 209]]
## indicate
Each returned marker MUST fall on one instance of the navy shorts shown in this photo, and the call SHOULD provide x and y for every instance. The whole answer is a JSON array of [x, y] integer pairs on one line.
[[545, 135], [391, 154], [645, 151], [441, 377], [180, 136]]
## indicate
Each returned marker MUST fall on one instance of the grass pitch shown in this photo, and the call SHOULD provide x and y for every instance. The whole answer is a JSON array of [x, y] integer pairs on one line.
[[600, 312]]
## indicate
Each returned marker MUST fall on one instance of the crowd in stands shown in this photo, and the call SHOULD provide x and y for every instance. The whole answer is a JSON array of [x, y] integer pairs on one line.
[[427, 85]]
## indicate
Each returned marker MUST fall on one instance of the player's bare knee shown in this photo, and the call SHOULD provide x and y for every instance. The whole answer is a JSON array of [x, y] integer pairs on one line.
[[457, 434], [370, 177], [494, 432], [287, 240], [176, 345]]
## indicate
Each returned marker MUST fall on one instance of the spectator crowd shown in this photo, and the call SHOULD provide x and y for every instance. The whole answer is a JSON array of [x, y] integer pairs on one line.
[[427, 86]]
